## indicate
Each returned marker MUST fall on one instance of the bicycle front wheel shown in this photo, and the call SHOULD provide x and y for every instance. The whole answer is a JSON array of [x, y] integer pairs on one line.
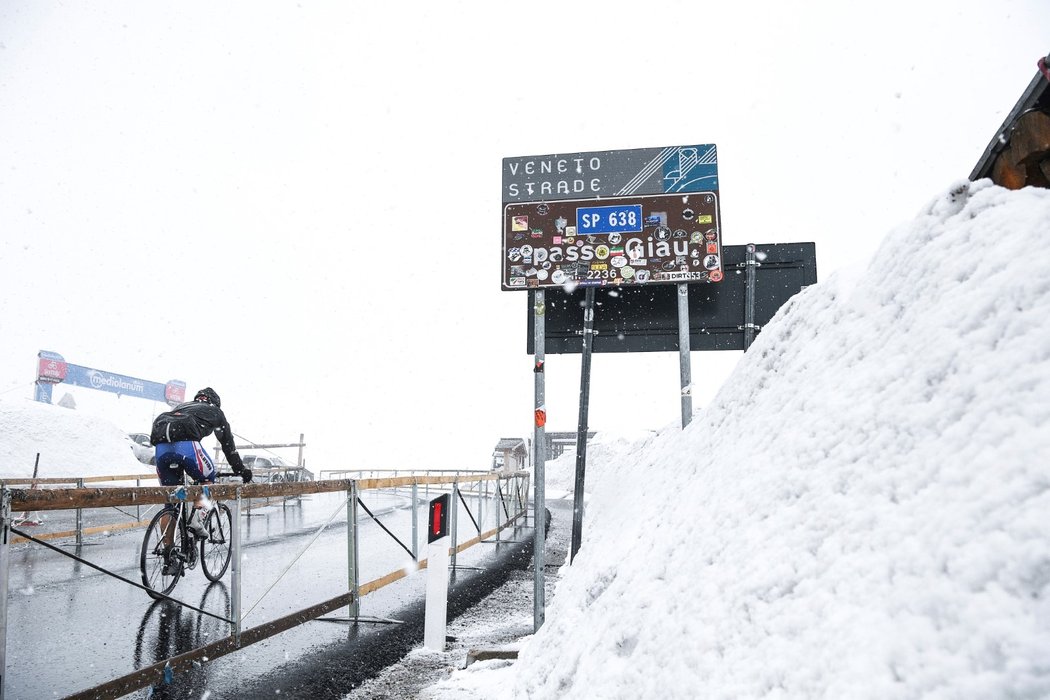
[[154, 556], [218, 545]]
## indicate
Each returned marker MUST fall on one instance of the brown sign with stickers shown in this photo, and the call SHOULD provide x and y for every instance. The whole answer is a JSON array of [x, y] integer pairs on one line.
[[655, 239]]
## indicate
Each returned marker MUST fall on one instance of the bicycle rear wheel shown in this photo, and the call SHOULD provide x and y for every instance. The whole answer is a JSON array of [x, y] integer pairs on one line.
[[218, 545], [154, 557]]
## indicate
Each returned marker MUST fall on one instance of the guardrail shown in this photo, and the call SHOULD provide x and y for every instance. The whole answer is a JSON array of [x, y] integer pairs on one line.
[[79, 530], [77, 479], [511, 506]]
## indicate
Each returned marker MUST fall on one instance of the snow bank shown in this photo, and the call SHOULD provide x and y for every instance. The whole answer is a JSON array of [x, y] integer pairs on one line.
[[560, 474], [70, 443], [862, 511]]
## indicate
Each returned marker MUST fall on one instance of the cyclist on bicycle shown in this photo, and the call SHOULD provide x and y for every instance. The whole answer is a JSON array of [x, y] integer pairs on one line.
[[177, 434]]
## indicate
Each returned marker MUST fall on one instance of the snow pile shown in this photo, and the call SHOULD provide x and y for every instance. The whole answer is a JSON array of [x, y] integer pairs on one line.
[[861, 512], [70, 443], [560, 473]]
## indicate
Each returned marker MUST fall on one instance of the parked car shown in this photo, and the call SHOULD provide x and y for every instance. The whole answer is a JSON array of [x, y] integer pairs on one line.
[[144, 451], [273, 469]]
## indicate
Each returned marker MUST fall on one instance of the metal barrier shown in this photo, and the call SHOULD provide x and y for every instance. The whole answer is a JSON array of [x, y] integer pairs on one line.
[[512, 503], [79, 530], [140, 520]]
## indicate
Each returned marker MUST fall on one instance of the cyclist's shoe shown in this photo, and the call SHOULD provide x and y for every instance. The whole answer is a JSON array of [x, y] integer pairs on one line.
[[172, 563], [196, 525]]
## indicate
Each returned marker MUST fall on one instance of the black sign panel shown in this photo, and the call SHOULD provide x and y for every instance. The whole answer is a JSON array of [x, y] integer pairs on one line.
[[645, 318], [437, 524]]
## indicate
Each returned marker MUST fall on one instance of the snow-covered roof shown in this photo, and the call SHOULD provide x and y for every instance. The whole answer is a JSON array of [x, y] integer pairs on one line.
[[510, 444]]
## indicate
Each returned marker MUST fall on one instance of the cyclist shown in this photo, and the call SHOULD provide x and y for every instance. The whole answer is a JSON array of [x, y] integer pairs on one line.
[[177, 434]]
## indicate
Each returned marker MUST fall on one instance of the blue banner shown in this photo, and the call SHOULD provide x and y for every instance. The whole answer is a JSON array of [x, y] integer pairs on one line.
[[114, 383], [53, 369]]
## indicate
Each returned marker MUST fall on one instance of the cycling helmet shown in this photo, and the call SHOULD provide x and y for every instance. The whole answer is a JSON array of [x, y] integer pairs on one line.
[[208, 395]]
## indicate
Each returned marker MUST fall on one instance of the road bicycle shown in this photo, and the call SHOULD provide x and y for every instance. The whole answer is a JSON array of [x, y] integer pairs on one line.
[[164, 560]]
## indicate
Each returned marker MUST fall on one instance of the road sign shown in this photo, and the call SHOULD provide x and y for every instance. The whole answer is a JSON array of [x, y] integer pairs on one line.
[[654, 239], [599, 218], [620, 218], [602, 174], [636, 319]]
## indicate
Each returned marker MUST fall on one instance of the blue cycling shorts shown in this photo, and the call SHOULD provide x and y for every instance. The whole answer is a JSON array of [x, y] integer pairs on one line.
[[175, 458]]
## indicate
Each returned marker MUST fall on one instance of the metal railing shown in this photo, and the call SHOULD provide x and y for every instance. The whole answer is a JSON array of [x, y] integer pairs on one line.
[[141, 518], [79, 531], [508, 490]]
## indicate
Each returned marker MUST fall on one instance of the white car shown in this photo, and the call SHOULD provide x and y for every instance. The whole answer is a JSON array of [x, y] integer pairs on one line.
[[273, 469], [144, 451]]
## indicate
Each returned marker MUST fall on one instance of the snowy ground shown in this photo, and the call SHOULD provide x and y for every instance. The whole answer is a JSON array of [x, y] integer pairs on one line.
[[498, 623], [861, 511], [68, 442]]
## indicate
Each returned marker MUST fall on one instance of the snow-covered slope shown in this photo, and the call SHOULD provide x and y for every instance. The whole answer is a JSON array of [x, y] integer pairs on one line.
[[560, 473], [70, 443], [862, 512]]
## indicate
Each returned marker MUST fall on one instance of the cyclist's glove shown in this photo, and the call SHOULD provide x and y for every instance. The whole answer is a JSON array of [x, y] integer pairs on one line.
[[246, 475]]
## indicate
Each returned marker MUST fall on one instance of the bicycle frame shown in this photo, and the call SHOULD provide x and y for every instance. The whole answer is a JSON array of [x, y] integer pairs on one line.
[[179, 520]]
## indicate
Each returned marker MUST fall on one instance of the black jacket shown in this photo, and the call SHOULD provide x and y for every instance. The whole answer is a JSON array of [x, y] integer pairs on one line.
[[196, 420]]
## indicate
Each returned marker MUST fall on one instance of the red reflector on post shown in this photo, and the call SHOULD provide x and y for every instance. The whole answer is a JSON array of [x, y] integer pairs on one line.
[[438, 518], [541, 418]]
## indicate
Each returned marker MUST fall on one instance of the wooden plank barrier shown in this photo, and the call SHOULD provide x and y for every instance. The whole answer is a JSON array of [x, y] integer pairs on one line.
[[105, 497], [73, 480]]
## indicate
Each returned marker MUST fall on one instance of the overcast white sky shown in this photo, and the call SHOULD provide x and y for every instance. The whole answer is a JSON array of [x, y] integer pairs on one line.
[[300, 204]]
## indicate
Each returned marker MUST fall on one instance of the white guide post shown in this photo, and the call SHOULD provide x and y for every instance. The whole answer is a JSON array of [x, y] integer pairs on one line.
[[437, 595]]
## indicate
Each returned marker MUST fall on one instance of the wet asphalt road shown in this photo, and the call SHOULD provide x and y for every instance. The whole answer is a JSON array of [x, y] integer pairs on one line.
[[71, 628]]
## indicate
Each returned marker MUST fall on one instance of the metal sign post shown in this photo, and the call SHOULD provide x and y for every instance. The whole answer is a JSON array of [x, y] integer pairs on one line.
[[539, 456], [750, 264], [5, 563], [581, 433], [235, 568], [353, 552], [683, 354]]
